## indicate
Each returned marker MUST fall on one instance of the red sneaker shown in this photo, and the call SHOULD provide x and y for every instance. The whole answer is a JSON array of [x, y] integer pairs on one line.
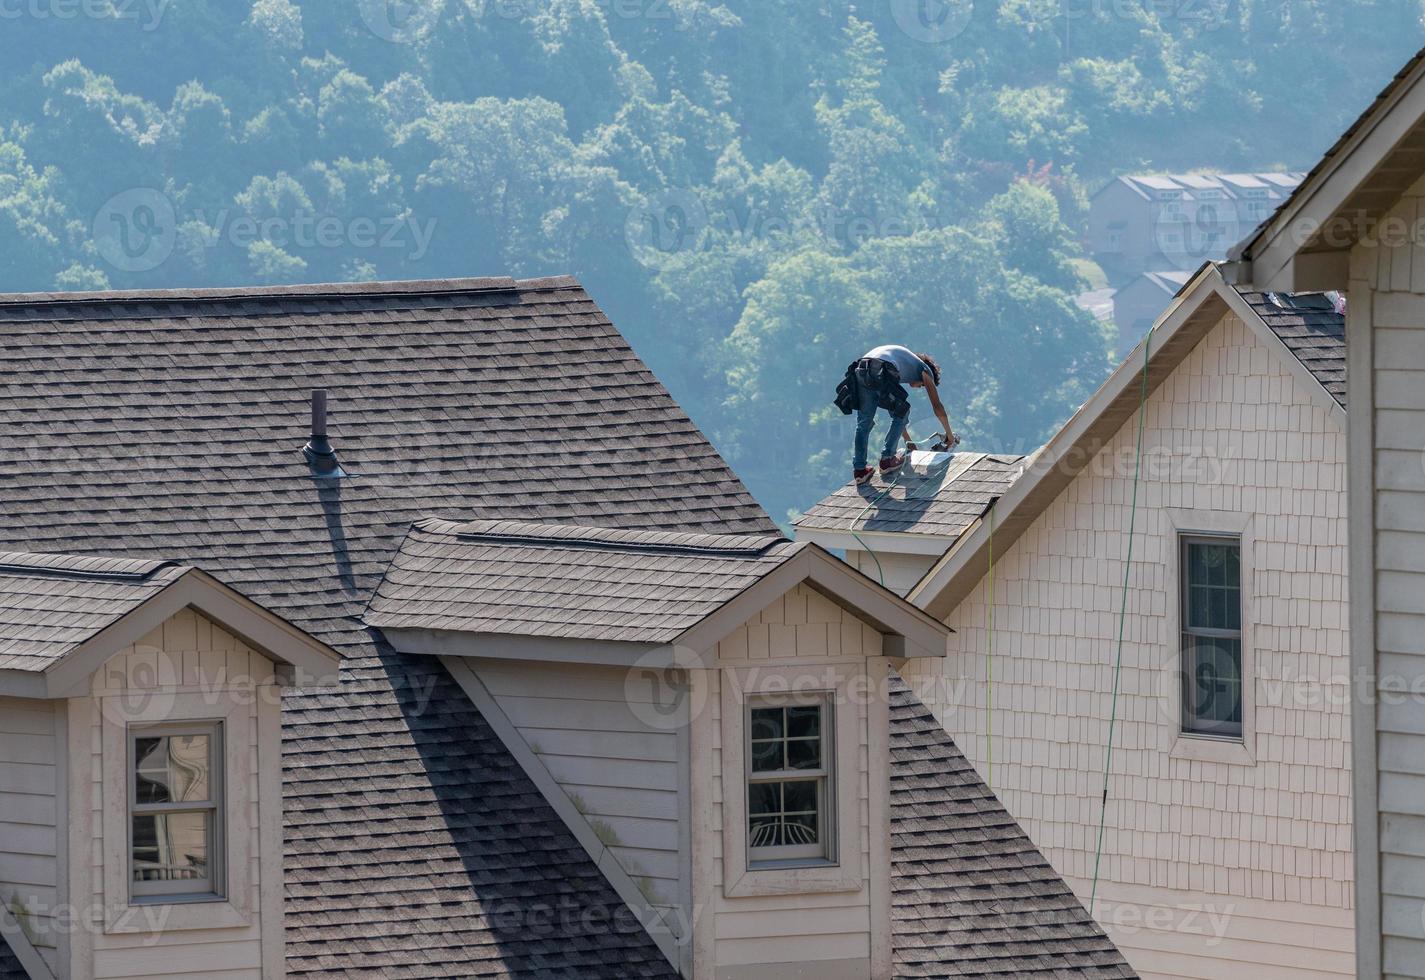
[[863, 475], [889, 464]]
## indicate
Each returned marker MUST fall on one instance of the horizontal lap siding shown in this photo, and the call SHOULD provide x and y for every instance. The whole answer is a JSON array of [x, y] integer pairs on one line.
[[619, 771], [29, 795], [1398, 340], [1232, 430]]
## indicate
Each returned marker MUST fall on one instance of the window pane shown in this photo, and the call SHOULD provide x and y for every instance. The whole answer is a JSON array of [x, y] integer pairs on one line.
[[1212, 685], [804, 753], [1214, 586], [172, 768], [800, 796], [803, 722], [171, 846], [764, 797], [767, 756], [766, 723]]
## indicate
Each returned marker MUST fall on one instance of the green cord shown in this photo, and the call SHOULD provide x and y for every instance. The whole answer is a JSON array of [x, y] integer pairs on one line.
[[990, 665], [1122, 618]]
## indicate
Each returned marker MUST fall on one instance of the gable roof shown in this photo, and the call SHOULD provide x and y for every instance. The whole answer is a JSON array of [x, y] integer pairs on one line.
[[515, 579], [50, 604], [169, 425], [1302, 245], [62, 616], [939, 503], [971, 896], [1194, 312]]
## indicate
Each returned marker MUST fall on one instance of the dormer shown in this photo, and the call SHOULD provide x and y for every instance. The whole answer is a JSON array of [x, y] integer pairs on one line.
[[709, 714], [140, 790]]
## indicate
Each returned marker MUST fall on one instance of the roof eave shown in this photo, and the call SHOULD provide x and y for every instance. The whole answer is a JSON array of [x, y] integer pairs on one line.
[[304, 660], [1386, 145]]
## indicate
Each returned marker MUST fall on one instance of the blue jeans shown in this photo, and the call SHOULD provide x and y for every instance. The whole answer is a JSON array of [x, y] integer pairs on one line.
[[866, 420]]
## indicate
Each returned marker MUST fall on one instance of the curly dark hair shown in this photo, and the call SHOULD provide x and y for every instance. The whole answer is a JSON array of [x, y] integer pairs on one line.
[[934, 367]]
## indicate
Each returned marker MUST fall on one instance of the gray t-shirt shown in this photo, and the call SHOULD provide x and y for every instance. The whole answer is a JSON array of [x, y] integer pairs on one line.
[[910, 367]]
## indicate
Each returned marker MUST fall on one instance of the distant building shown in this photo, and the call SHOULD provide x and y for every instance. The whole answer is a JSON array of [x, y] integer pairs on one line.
[[1138, 304], [1176, 222]]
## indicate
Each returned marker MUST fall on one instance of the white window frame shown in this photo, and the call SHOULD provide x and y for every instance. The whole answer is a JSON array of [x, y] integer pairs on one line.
[[117, 711], [789, 856], [1185, 745], [1185, 543], [213, 887], [834, 682]]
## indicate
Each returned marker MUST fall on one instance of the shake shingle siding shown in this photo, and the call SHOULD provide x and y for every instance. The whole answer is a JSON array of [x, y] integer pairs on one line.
[[971, 896]]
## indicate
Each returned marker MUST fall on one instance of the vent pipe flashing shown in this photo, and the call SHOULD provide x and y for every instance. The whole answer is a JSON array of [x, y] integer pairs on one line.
[[320, 455]]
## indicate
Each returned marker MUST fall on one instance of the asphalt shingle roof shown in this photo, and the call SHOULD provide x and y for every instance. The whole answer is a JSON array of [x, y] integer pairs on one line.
[[971, 896], [170, 426], [944, 501], [524, 579], [1309, 326], [50, 604], [10, 968]]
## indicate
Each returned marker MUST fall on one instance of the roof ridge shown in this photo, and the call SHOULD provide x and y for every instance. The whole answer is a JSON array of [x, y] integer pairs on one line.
[[619, 539], [326, 290], [82, 567]]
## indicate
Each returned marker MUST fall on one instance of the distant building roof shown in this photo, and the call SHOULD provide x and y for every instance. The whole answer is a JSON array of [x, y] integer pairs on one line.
[[1229, 184]]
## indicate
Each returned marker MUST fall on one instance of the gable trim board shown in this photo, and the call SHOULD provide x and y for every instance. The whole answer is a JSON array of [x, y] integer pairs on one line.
[[310, 660], [1197, 310], [674, 947], [13, 933], [1361, 176]]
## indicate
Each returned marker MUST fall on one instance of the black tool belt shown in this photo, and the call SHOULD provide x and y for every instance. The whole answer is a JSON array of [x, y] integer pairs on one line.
[[879, 376]]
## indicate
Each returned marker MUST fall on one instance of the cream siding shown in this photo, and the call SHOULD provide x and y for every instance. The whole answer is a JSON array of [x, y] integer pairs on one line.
[[897, 572], [1387, 328], [190, 667], [805, 642], [31, 798], [1233, 440], [595, 730]]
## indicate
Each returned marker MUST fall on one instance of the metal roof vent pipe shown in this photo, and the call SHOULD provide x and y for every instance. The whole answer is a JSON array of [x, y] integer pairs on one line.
[[320, 455]]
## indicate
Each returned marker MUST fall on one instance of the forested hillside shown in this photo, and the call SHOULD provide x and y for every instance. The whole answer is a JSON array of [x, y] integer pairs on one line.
[[756, 190]]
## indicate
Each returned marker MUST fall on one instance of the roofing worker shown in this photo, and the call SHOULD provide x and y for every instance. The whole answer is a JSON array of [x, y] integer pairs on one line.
[[875, 382]]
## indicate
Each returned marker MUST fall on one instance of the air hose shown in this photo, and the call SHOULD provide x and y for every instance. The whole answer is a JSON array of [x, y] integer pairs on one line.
[[1122, 615]]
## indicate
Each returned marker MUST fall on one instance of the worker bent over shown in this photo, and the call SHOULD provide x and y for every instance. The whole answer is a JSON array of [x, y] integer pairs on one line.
[[875, 382]]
